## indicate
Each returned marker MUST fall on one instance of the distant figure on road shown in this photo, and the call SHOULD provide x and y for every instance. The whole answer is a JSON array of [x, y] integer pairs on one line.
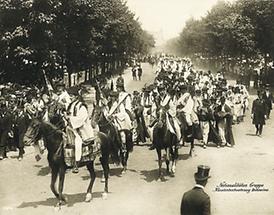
[[268, 98], [196, 201], [134, 73], [140, 72], [258, 113]]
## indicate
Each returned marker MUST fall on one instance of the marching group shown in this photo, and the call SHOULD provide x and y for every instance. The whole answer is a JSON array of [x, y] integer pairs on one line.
[[204, 101]]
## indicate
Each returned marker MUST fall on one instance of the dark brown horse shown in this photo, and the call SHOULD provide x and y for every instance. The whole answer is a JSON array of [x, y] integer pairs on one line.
[[121, 139], [165, 140], [53, 140]]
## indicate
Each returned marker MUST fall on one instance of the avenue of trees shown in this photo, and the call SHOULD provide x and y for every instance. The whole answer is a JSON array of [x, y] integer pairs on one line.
[[240, 30], [67, 35]]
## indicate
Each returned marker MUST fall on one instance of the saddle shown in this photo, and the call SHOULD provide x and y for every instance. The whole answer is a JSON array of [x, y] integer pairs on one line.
[[90, 148]]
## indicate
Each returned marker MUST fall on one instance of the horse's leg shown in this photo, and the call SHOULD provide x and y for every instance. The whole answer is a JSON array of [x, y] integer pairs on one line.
[[174, 159], [159, 162], [92, 174], [54, 174], [124, 151], [191, 148], [126, 154], [105, 165], [62, 172], [167, 157], [124, 158]]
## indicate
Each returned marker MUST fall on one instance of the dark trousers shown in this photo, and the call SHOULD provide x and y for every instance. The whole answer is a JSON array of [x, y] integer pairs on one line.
[[268, 111], [4, 143], [259, 129]]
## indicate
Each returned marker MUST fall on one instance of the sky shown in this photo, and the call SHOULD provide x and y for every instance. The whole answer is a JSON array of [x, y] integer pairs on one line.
[[165, 18]]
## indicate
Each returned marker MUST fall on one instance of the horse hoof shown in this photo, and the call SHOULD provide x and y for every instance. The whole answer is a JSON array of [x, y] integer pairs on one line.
[[88, 197], [124, 171], [104, 196], [58, 206], [173, 169], [171, 173], [64, 199]]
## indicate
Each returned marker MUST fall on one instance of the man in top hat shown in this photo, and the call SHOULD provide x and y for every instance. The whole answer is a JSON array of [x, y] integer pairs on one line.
[[268, 98], [196, 201]]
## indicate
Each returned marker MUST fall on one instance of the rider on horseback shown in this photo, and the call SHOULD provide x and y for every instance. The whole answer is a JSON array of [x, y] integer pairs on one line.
[[121, 110], [167, 101], [79, 122], [186, 107]]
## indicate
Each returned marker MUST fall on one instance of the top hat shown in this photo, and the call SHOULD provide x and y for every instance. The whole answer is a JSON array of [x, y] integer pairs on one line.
[[202, 173]]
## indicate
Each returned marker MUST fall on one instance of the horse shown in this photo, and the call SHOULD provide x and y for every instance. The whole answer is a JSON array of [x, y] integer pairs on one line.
[[121, 139], [54, 142], [164, 139]]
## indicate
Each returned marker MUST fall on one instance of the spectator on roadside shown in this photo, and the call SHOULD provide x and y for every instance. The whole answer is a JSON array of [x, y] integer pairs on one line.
[[258, 113], [196, 201]]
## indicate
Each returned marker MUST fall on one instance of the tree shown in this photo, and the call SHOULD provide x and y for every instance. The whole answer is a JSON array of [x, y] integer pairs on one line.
[[52, 35]]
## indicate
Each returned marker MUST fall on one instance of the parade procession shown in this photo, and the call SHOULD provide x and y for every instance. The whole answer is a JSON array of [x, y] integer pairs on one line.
[[105, 110]]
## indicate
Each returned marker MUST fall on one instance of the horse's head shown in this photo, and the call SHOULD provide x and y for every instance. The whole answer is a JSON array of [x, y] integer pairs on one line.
[[32, 134], [161, 117]]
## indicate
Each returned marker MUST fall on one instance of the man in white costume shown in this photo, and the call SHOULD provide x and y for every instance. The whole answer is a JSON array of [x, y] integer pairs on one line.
[[170, 103], [79, 121], [63, 96], [122, 110], [186, 105]]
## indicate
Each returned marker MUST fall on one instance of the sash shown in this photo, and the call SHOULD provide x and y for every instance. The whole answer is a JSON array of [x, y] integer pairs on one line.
[[118, 105]]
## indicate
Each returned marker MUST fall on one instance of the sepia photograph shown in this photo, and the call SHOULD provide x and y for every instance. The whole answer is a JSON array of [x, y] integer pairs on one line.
[[136, 107]]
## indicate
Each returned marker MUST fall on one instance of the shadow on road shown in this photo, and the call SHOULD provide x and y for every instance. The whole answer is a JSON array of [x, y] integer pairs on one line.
[[112, 172], [183, 156], [152, 175], [251, 134], [44, 171], [51, 202]]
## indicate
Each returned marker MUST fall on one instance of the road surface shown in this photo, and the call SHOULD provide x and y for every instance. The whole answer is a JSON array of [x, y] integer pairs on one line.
[[24, 186]]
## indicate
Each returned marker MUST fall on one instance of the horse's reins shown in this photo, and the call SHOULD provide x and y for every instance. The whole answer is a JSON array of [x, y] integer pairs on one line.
[[109, 121]]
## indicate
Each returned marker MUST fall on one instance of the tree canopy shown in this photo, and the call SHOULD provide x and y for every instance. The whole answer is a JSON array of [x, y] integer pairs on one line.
[[242, 28], [51, 35]]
